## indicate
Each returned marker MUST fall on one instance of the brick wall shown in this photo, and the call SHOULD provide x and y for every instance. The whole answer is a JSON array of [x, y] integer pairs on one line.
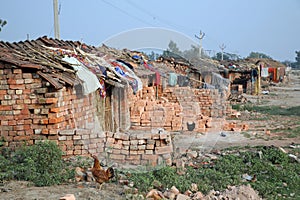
[[175, 107], [139, 148], [31, 111]]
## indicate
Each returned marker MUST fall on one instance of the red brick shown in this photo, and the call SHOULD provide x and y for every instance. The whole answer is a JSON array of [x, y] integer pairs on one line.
[[149, 152], [133, 157], [15, 87], [27, 75], [17, 71], [21, 132], [29, 132], [55, 110], [56, 120], [150, 146], [150, 159], [28, 80], [44, 121], [122, 136], [18, 107], [21, 137], [124, 152], [28, 121], [5, 122], [45, 131], [53, 137], [53, 131], [117, 157], [163, 150], [5, 107]]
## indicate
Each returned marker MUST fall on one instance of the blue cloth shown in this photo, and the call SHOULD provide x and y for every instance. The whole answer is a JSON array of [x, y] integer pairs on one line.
[[172, 79], [120, 71], [136, 57]]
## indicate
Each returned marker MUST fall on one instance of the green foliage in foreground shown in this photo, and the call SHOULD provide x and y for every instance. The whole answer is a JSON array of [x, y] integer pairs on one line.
[[276, 174], [40, 163], [271, 110]]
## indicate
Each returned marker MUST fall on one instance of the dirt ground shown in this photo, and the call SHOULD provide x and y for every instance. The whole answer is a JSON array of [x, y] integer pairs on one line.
[[285, 95]]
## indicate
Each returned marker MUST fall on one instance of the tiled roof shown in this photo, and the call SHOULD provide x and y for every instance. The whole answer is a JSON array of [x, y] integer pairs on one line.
[[40, 55]]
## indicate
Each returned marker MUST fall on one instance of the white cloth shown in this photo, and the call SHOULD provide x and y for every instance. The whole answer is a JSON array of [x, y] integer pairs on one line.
[[264, 72], [90, 80]]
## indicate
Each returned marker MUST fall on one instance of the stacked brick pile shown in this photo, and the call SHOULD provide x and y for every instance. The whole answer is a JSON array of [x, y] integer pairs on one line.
[[146, 148], [177, 108], [213, 103], [81, 141], [146, 112], [235, 126]]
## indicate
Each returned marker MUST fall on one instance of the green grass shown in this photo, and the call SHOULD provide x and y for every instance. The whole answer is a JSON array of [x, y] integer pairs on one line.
[[271, 110], [275, 172], [293, 133]]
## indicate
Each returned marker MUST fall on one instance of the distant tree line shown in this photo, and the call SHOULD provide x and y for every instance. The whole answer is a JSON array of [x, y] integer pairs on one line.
[[193, 52]]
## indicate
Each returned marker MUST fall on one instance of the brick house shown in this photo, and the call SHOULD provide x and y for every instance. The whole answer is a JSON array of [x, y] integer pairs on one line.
[[100, 100], [240, 73]]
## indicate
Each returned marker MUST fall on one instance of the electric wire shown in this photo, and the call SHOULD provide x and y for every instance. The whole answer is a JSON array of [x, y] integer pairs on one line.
[[127, 13]]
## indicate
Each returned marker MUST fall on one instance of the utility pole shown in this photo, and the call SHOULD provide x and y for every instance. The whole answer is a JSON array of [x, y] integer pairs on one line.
[[200, 37], [56, 22], [222, 47]]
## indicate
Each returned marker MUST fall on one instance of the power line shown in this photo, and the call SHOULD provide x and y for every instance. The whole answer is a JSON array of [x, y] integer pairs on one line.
[[155, 17], [126, 13]]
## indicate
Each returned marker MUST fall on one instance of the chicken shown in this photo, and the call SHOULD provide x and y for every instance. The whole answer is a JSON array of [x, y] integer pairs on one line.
[[101, 175]]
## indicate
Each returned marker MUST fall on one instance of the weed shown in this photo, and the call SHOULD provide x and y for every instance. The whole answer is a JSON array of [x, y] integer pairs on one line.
[[40, 163], [246, 134], [271, 110], [271, 167], [294, 132]]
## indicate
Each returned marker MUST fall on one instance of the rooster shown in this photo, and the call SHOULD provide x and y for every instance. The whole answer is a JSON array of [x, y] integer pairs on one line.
[[101, 175]]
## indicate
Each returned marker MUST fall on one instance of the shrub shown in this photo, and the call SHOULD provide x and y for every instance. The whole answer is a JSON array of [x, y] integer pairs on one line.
[[40, 163], [276, 174]]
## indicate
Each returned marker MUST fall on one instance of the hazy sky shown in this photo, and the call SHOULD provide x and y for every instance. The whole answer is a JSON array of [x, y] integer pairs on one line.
[[267, 26]]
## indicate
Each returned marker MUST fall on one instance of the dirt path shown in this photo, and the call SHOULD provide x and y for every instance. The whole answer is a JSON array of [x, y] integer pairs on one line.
[[20, 190], [284, 95]]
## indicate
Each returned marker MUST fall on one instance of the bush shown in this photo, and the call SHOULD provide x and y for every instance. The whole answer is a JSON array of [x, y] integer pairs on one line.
[[276, 174], [40, 163]]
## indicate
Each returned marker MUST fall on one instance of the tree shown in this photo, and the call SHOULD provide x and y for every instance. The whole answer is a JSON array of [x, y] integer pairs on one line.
[[258, 55], [191, 53], [2, 23], [218, 56], [297, 58], [153, 55], [172, 47]]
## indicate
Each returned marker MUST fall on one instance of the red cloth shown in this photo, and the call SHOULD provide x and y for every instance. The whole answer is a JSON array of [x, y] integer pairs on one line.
[[157, 75]]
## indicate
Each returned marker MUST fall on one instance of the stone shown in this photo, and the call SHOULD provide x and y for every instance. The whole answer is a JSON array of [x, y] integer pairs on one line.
[[192, 154], [68, 197], [194, 187], [89, 176], [182, 197], [169, 195], [174, 190], [79, 174], [155, 194], [198, 196]]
